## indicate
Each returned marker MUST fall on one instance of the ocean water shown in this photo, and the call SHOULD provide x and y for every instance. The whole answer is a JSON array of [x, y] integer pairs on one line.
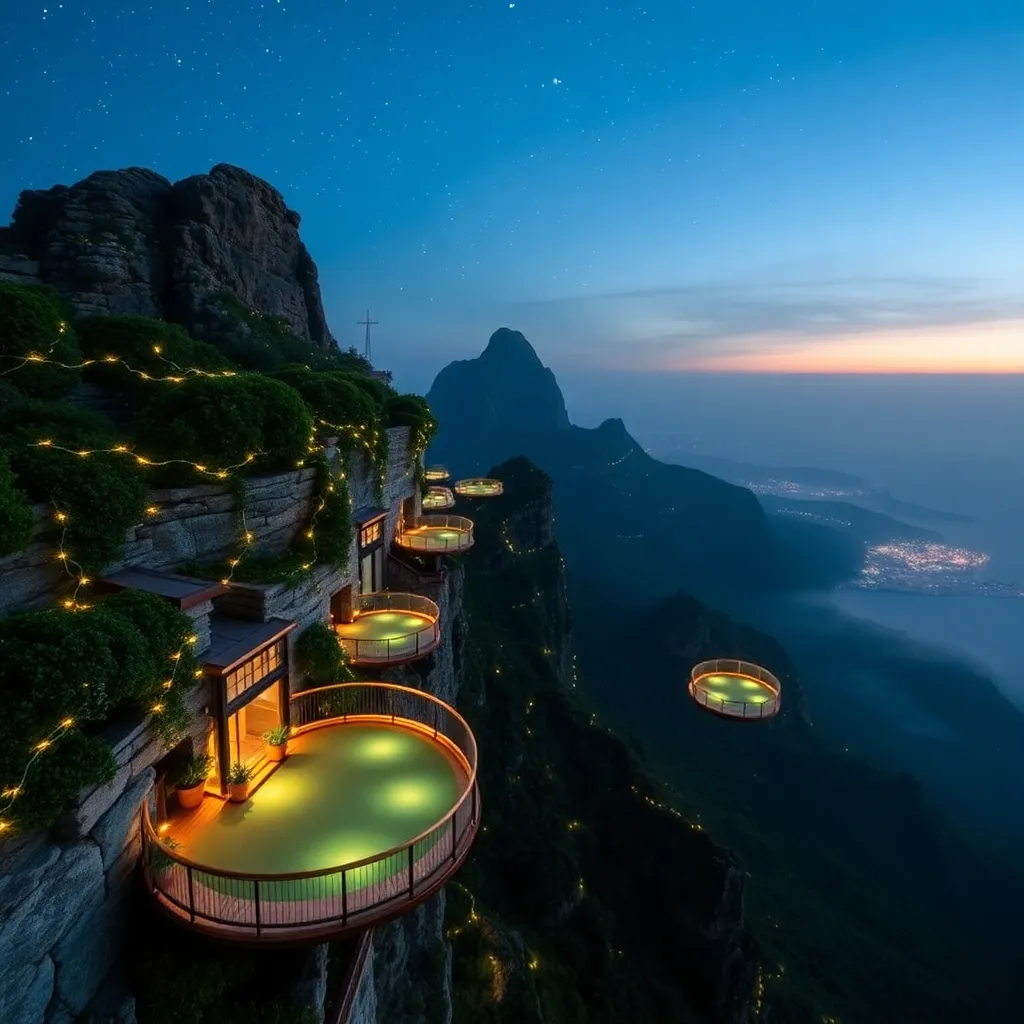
[[951, 443]]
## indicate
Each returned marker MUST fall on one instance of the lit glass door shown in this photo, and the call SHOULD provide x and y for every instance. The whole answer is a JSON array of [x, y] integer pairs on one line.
[[248, 724]]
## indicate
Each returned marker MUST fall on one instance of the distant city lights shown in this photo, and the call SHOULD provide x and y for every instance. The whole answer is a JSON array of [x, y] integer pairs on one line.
[[930, 568]]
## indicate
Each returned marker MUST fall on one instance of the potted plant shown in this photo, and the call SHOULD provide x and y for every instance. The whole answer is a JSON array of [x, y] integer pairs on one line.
[[161, 856], [277, 743], [192, 780], [238, 782]]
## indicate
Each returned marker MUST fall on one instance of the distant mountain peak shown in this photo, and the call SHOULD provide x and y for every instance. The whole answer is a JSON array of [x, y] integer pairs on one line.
[[508, 344], [505, 388]]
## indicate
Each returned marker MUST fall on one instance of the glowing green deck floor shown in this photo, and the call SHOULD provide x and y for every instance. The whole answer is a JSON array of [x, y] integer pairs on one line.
[[734, 689], [435, 538], [345, 793], [383, 626]]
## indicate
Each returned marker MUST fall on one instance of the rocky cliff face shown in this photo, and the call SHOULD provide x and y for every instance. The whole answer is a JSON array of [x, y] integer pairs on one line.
[[131, 242], [586, 897]]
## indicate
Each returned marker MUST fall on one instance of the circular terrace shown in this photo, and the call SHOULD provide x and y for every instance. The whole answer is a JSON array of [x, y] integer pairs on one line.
[[436, 474], [437, 499], [436, 535], [373, 810], [390, 628], [735, 689], [479, 487]]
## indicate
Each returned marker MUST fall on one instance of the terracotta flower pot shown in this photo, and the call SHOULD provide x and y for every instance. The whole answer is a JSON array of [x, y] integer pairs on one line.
[[238, 792], [192, 797], [276, 752]]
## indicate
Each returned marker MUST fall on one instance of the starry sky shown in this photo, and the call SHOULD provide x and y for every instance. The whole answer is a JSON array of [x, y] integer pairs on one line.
[[798, 186]]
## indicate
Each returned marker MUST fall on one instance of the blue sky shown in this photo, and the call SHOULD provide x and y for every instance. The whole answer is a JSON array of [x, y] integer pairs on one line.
[[795, 185]]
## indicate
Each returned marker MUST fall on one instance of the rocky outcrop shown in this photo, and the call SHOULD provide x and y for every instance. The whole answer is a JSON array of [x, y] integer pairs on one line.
[[131, 242]]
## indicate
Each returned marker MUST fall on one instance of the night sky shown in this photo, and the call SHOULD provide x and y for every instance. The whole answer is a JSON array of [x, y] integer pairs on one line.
[[750, 185]]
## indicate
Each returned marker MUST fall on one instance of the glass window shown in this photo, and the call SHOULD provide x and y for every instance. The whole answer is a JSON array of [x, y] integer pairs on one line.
[[371, 533], [255, 670]]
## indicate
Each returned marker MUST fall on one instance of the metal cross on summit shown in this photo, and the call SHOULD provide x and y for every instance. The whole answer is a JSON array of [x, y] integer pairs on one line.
[[367, 322]]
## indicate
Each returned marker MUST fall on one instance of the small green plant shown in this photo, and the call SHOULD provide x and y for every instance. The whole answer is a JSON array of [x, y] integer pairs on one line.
[[195, 771], [276, 737], [239, 774], [161, 854]]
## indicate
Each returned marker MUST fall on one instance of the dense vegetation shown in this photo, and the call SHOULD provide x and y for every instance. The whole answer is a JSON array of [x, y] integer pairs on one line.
[[181, 412], [62, 675]]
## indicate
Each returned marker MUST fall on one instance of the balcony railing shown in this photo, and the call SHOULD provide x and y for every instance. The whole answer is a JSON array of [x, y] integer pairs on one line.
[[306, 905], [767, 685], [436, 535], [437, 499], [401, 645], [479, 487]]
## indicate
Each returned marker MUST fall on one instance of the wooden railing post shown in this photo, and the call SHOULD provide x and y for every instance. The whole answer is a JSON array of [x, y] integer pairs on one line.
[[412, 878], [256, 892], [191, 895], [344, 899]]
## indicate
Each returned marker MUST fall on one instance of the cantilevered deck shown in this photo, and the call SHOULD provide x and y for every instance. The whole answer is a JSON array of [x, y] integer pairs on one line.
[[436, 535], [390, 629], [372, 811], [437, 499], [735, 689], [436, 474], [479, 487]]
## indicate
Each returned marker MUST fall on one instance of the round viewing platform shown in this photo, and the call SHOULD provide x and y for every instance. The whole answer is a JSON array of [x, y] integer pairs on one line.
[[436, 474], [436, 535], [735, 689], [372, 811], [479, 487], [437, 499], [390, 629]]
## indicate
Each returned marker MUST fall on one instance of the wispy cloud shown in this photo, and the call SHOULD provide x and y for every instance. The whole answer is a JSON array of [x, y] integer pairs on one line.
[[719, 323]]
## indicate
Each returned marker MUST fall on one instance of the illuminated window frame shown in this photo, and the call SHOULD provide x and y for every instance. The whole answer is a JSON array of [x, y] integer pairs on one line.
[[254, 671], [371, 533]]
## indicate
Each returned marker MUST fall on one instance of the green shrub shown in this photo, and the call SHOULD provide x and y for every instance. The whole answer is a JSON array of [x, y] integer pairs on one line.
[[17, 520], [135, 340], [102, 494], [380, 392], [334, 397], [33, 319], [261, 342], [341, 406], [320, 657], [76, 667], [217, 422], [413, 411]]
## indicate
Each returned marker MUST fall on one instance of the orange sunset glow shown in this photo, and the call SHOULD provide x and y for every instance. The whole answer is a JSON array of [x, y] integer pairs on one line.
[[991, 347]]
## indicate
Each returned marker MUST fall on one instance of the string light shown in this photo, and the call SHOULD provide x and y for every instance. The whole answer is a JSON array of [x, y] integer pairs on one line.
[[142, 460], [179, 377]]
